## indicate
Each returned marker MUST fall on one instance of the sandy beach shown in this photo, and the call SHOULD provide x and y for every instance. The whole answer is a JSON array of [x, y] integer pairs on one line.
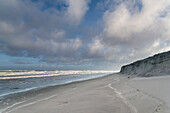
[[84, 56], [110, 94]]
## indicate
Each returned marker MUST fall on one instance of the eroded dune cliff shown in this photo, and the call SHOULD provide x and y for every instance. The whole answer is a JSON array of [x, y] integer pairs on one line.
[[156, 65]]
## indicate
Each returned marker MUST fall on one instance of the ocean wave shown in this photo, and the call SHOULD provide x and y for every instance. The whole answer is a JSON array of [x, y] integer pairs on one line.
[[37, 74]]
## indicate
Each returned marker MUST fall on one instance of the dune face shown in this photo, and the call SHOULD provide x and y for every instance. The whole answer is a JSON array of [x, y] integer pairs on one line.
[[156, 65]]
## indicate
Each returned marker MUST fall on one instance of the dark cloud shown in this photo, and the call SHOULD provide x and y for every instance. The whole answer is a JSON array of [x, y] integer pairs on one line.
[[27, 30]]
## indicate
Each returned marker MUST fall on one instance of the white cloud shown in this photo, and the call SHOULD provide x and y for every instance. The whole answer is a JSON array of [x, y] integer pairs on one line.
[[76, 10], [122, 23], [131, 33], [95, 46], [76, 43]]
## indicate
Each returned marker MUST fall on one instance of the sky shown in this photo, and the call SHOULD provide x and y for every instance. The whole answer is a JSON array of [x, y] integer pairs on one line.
[[81, 34]]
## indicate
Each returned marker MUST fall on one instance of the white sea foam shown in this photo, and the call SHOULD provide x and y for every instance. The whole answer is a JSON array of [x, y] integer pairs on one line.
[[38, 74]]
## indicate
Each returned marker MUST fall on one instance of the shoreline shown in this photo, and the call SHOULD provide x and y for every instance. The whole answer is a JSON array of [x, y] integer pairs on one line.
[[111, 93], [27, 94], [49, 85]]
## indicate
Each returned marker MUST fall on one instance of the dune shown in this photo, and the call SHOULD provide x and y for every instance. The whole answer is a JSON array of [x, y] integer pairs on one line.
[[157, 65]]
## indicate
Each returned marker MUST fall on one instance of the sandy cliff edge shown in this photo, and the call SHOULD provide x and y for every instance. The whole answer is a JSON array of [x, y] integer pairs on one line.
[[157, 65]]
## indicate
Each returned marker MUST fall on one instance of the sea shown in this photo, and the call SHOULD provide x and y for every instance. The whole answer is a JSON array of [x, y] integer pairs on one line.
[[15, 83]]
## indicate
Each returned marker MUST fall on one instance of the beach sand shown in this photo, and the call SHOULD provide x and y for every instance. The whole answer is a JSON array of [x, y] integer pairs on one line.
[[110, 94]]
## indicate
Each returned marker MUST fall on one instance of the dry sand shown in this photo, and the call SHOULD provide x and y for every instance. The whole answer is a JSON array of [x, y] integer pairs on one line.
[[110, 94], [155, 87]]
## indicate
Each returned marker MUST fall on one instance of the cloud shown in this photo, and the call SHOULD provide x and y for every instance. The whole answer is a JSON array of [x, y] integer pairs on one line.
[[95, 48], [76, 10], [132, 31], [23, 62], [122, 23], [27, 30], [61, 31]]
